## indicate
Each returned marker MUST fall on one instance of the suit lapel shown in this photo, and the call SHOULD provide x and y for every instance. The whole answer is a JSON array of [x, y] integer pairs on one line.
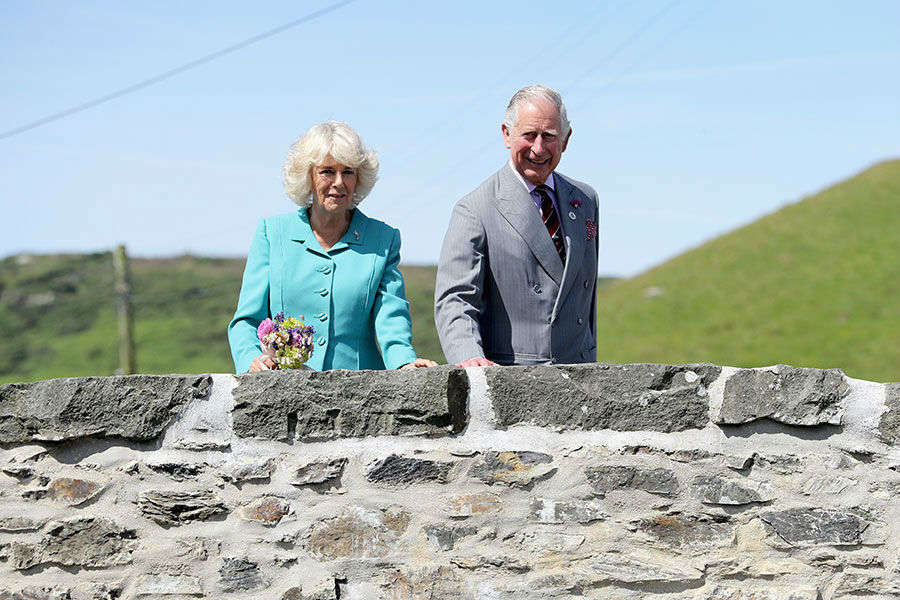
[[575, 231], [514, 204]]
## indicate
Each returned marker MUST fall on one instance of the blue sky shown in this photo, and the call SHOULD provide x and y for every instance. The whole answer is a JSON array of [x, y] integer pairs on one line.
[[690, 117]]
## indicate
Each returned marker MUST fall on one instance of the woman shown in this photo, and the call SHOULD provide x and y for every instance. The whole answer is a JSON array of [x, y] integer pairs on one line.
[[329, 263]]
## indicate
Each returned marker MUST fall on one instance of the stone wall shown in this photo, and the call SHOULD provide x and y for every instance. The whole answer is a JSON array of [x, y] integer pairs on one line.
[[594, 481]]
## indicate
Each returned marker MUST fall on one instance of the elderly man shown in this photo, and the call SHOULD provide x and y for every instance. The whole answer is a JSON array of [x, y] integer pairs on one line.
[[517, 279]]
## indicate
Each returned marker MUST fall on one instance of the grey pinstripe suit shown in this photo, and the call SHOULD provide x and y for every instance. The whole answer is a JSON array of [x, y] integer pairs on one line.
[[502, 291]]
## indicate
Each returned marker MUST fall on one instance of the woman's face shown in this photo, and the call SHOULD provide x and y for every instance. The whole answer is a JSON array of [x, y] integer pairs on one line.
[[333, 185]]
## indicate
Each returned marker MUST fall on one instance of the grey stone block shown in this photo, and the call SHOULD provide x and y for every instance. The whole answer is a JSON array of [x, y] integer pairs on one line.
[[67, 490], [688, 534], [240, 575], [319, 472], [815, 526], [313, 406], [889, 425], [445, 537], [171, 508], [607, 478], [621, 568], [789, 395], [401, 470], [602, 396], [713, 489], [81, 542], [517, 469], [357, 533], [134, 407]]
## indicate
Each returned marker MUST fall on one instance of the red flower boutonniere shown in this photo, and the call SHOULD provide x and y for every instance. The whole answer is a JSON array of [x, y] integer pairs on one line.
[[574, 203], [591, 229]]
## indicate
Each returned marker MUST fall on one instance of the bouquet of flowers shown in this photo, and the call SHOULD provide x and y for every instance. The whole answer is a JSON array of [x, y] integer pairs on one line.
[[289, 341]]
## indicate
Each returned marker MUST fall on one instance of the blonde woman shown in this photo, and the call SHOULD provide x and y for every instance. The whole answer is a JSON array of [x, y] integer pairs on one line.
[[329, 263]]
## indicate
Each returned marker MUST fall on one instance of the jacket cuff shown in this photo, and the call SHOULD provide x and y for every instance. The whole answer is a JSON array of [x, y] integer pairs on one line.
[[397, 356]]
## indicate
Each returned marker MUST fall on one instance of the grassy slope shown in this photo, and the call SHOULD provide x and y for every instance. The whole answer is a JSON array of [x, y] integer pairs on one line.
[[815, 284], [182, 307]]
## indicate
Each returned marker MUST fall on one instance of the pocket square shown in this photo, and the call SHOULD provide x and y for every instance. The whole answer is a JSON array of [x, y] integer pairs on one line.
[[591, 228]]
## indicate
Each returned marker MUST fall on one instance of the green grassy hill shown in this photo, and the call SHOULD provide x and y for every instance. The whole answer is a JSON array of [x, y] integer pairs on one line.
[[816, 284], [58, 315]]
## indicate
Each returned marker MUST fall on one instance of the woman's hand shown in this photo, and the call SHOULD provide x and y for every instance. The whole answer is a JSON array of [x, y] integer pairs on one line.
[[262, 362], [419, 363]]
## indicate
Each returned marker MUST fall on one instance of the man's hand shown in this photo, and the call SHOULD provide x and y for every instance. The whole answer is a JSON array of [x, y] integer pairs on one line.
[[418, 364], [478, 361]]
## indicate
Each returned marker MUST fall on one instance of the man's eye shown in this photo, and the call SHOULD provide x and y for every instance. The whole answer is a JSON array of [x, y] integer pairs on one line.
[[549, 136]]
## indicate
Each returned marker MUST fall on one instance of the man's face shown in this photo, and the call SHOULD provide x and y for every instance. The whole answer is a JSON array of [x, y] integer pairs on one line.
[[535, 143]]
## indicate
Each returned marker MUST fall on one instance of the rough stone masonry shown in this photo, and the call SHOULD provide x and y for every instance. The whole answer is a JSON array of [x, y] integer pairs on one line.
[[691, 482]]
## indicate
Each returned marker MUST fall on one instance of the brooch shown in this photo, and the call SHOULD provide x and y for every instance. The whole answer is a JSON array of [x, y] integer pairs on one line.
[[591, 229], [574, 203]]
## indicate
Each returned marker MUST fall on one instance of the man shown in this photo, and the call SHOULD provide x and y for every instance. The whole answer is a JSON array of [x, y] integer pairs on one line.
[[517, 279]]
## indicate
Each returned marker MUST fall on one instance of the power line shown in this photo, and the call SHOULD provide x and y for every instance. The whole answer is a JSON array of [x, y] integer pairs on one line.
[[636, 34], [172, 72]]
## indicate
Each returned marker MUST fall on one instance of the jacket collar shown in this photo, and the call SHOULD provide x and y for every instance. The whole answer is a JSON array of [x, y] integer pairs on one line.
[[301, 231], [514, 203]]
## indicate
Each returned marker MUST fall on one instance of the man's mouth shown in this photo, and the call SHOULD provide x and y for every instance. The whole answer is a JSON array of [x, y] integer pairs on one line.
[[538, 162]]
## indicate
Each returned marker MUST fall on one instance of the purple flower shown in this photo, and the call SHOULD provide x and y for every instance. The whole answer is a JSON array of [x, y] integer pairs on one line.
[[265, 328]]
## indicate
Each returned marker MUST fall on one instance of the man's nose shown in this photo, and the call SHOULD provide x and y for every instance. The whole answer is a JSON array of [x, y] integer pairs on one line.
[[538, 146]]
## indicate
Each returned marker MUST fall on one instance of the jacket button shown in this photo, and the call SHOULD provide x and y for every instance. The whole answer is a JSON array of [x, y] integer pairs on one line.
[[322, 317], [537, 288], [326, 270], [321, 340], [580, 321], [585, 283]]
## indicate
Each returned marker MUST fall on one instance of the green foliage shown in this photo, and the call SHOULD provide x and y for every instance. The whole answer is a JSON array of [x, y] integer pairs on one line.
[[813, 284], [58, 315]]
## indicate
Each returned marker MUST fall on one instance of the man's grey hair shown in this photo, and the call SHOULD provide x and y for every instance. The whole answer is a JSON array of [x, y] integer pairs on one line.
[[527, 95]]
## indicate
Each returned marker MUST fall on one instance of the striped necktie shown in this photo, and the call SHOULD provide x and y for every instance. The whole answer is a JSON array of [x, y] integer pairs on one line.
[[551, 221]]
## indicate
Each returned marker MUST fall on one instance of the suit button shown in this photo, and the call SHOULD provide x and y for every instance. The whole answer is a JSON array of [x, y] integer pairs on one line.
[[585, 283], [580, 321], [321, 340], [322, 317], [326, 270], [537, 288], [549, 319]]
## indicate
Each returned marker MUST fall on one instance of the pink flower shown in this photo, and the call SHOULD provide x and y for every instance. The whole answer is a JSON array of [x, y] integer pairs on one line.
[[265, 328]]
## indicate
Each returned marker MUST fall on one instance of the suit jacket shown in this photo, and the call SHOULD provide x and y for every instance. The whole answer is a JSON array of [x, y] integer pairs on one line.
[[352, 295], [502, 291]]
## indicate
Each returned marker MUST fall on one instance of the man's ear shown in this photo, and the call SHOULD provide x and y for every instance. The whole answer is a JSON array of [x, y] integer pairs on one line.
[[566, 142], [506, 134]]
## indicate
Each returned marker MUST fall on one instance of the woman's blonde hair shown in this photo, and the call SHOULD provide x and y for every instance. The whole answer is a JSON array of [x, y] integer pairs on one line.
[[344, 145]]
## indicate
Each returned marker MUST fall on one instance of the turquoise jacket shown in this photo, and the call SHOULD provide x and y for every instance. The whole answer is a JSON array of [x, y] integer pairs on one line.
[[352, 294]]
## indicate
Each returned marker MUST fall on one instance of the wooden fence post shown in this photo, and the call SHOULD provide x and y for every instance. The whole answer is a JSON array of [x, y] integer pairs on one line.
[[126, 315]]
